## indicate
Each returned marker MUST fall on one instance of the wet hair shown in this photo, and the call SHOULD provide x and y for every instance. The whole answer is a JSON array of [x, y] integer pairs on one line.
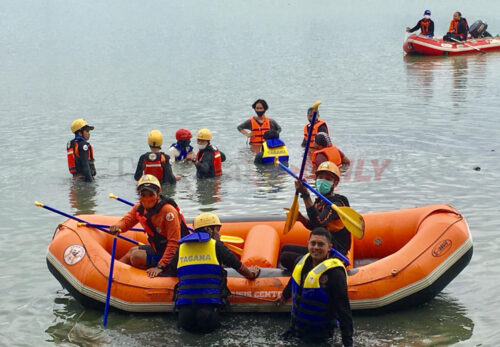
[[322, 139], [320, 231], [459, 14], [262, 102], [271, 134]]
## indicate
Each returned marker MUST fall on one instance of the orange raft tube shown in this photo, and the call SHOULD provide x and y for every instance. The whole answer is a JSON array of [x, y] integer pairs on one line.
[[405, 258]]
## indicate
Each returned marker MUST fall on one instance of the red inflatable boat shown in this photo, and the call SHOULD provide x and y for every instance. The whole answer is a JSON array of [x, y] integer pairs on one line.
[[419, 44]]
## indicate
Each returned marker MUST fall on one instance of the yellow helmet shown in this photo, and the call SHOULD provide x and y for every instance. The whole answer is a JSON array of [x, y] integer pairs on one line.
[[78, 124], [206, 219], [204, 134], [149, 182], [155, 138], [328, 166]]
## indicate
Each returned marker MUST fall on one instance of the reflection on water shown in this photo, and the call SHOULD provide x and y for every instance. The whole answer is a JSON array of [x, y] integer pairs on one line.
[[208, 191], [430, 75], [441, 322], [82, 196]]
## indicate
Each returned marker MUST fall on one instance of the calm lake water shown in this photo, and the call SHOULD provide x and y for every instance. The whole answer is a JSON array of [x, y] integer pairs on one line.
[[131, 66]]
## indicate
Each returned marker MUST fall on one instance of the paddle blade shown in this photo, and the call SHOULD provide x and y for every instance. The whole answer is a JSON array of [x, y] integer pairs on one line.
[[352, 220], [292, 214], [231, 239], [234, 249]]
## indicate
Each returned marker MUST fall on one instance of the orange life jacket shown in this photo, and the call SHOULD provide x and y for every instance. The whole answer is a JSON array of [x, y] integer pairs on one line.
[[155, 239], [258, 130], [454, 28], [72, 152], [216, 160], [424, 26], [153, 165], [332, 154], [314, 131]]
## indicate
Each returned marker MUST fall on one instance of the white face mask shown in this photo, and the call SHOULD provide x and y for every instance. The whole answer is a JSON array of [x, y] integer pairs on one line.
[[202, 147], [427, 16]]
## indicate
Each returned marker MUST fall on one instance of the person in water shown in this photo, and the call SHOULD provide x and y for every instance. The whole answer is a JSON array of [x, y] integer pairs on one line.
[[182, 149], [458, 30], [319, 126], [318, 288], [154, 162], [202, 292], [163, 222], [259, 124], [273, 147], [208, 159], [320, 214], [426, 25], [325, 151], [79, 152]]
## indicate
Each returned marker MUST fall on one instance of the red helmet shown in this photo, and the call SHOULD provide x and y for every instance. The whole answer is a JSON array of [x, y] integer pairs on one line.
[[183, 134]]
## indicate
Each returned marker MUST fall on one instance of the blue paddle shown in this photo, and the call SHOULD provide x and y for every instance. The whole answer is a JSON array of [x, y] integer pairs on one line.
[[110, 281]]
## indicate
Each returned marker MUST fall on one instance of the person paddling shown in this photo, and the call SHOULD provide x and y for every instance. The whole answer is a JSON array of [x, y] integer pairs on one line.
[[426, 25], [320, 214]]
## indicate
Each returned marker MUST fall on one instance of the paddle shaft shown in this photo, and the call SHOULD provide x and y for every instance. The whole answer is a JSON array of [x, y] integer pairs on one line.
[[107, 226], [83, 221], [110, 281], [465, 43]]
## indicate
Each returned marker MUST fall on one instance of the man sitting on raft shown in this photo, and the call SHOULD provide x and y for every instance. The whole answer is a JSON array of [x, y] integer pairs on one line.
[[161, 219], [320, 214], [202, 291]]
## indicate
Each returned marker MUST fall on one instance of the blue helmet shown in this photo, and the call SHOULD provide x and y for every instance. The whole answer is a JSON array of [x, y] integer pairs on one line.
[[427, 12]]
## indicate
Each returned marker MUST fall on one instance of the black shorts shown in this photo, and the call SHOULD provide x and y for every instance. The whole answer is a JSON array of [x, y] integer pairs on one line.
[[152, 258]]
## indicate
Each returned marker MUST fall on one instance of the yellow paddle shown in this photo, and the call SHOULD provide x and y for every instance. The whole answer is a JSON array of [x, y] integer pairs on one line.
[[234, 249], [352, 220], [292, 214]]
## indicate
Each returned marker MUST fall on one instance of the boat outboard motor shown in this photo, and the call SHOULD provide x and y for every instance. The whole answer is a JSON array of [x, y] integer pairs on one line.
[[478, 29]]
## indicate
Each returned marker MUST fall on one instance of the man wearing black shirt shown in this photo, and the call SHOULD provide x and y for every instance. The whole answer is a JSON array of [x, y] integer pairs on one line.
[[318, 288], [202, 290]]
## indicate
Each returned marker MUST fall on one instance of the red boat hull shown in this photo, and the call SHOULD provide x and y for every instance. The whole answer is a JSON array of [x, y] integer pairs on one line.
[[423, 45]]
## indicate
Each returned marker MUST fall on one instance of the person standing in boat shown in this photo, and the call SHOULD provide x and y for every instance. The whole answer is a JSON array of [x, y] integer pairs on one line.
[[320, 214], [154, 162], [319, 126], [458, 30], [325, 151], [79, 152], [426, 25], [209, 159], [259, 124], [202, 291], [273, 147], [318, 288], [163, 222], [182, 149]]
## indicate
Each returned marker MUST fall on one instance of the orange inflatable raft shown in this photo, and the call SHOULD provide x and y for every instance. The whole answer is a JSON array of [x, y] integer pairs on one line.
[[404, 259]]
